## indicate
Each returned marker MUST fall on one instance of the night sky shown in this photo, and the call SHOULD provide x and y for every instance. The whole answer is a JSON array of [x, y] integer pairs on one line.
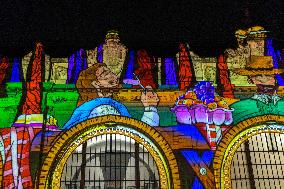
[[158, 25]]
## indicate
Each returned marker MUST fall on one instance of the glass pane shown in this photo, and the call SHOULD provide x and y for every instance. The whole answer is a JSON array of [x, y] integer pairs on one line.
[[259, 162], [112, 161]]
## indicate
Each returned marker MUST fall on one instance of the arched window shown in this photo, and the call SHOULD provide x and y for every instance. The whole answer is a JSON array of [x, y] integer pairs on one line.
[[110, 161], [259, 162]]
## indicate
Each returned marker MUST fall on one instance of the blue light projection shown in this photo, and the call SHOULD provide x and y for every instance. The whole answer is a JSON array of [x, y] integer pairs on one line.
[[190, 131], [170, 72], [100, 53], [76, 63], [269, 51], [197, 184], [130, 65], [279, 56], [16, 74], [83, 112], [71, 65], [206, 157], [192, 156]]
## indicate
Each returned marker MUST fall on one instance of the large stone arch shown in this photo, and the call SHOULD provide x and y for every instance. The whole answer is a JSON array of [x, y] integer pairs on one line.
[[69, 140], [232, 140]]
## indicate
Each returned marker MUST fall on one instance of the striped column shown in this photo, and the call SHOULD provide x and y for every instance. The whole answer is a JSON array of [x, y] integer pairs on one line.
[[17, 142], [15, 146], [8, 179], [214, 134]]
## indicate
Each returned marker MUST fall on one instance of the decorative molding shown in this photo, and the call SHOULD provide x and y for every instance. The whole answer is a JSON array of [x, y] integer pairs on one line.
[[69, 140], [232, 140]]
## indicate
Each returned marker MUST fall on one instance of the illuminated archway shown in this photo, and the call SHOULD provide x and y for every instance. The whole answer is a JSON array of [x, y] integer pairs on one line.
[[232, 140], [142, 133]]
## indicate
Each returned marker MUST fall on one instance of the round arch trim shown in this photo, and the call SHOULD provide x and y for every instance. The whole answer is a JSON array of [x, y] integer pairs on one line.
[[232, 140], [2, 163], [69, 140]]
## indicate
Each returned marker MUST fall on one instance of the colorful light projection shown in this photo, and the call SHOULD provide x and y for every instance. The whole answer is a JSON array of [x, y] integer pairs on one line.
[[4, 65], [207, 111], [225, 88], [201, 166], [16, 158], [100, 53], [84, 111], [81, 63], [190, 131], [140, 132], [234, 138], [186, 70], [130, 65], [269, 51], [114, 52], [170, 72], [33, 88], [71, 67], [202, 106], [16, 72], [76, 63], [16, 147], [145, 69]]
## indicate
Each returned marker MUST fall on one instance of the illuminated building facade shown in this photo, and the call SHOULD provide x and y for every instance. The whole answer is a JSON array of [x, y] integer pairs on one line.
[[86, 121]]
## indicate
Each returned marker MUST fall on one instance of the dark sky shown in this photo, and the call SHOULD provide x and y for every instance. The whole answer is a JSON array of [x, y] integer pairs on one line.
[[157, 25]]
